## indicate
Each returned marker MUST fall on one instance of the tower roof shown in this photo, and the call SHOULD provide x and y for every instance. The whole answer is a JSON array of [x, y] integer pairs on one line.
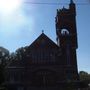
[[71, 1]]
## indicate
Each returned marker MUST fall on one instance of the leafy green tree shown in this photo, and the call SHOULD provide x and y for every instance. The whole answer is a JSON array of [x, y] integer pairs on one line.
[[4, 57], [84, 76], [20, 53]]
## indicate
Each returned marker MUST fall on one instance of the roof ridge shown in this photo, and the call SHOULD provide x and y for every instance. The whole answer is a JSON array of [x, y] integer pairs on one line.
[[41, 36]]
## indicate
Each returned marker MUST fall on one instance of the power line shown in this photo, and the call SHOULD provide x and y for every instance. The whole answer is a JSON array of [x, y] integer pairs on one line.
[[41, 3]]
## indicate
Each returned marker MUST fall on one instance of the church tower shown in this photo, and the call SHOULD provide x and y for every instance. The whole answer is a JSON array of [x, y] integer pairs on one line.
[[66, 32]]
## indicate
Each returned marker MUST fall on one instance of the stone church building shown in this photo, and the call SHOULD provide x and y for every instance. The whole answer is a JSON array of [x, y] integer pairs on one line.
[[45, 64]]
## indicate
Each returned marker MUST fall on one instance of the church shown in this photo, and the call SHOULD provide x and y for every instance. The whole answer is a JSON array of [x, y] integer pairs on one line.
[[45, 64]]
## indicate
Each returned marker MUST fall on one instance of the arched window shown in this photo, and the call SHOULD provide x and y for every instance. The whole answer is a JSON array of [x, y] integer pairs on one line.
[[64, 32]]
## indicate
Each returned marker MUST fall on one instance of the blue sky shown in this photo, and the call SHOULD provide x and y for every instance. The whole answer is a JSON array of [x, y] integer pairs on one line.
[[23, 25]]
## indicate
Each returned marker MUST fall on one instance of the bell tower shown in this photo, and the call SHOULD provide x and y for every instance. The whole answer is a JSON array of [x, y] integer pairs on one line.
[[66, 22], [66, 32]]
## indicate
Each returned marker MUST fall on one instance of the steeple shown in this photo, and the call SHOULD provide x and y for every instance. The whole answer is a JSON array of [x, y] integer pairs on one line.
[[72, 7], [71, 2]]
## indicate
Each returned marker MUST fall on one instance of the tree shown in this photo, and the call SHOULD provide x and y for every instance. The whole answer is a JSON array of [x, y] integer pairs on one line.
[[20, 53], [4, 57], [84, 77]]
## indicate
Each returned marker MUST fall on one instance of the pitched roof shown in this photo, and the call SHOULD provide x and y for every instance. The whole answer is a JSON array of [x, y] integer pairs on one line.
[[43, 41]]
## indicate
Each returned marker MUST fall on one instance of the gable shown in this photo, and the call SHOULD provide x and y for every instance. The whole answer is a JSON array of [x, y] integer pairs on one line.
[[43, 42], [43, 50]]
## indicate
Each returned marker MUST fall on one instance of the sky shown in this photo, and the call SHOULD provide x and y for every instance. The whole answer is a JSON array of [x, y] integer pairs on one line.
[[22, 22]]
